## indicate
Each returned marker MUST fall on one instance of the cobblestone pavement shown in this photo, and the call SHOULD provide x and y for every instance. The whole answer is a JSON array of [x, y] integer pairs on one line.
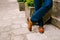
[[13, 25]]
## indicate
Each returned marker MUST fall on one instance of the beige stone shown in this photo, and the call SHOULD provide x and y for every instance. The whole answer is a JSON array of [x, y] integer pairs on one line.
[[20, 31], [5, 36], [17, 37]]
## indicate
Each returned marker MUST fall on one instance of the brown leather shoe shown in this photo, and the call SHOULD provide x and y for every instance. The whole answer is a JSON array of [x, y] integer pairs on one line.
[[30, 25], [41, 30]]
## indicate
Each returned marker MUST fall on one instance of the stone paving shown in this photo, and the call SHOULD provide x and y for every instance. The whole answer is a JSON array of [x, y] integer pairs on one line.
[[13, 25]]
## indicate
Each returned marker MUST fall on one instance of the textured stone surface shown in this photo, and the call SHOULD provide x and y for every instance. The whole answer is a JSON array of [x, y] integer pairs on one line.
[[13, 25], [18, 37], [56, 14], [29, 11], [21, 6], [5, 36], [11, 20], [56, 21], [51, 33]]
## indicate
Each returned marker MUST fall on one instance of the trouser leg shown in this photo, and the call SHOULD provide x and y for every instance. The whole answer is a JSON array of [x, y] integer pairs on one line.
[[38, 4], [39, 13], [40, 22]]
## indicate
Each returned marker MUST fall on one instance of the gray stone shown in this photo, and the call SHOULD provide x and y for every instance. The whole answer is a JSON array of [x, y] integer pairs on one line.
[[56, 14], [55, 21], [47, 16]]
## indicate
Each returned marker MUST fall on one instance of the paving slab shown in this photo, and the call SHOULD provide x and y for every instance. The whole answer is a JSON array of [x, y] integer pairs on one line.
[[51, 33], [13, 25]]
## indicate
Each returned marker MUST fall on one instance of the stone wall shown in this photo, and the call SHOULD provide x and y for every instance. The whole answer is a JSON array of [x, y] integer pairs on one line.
[[56, 13]]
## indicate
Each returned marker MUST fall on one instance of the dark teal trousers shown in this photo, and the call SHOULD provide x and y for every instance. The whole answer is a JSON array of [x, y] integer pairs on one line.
[[41, 8]]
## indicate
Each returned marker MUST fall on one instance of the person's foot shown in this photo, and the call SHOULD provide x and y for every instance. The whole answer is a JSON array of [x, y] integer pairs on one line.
[[41, 30], [30, 25]]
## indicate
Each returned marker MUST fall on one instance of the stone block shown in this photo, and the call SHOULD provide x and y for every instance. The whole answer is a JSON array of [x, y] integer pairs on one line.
[[55, 21], [5, 28], [20, 31], [29, 11], [51, 33], [36, 36], [56, 14], [17, 37], [56, 7], [21, 6], [5, 36], [47, 16]]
